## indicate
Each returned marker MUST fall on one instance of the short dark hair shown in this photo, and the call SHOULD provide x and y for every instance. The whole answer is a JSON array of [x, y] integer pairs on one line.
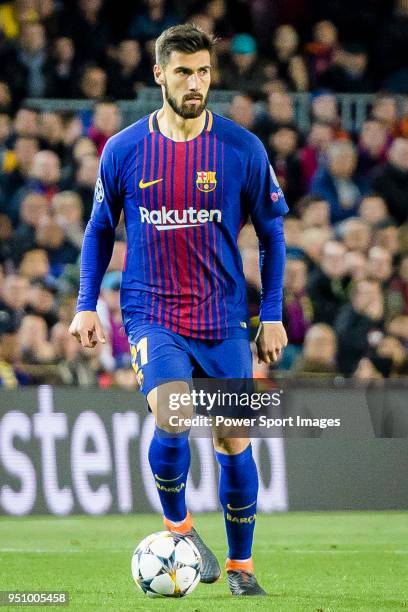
[[186, 38]]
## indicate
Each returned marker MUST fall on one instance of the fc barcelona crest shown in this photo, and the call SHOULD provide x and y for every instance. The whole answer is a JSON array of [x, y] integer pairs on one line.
[[206, 181]]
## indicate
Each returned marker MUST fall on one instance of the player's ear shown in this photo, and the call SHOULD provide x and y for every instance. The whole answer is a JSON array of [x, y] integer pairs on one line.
[[158, 74]]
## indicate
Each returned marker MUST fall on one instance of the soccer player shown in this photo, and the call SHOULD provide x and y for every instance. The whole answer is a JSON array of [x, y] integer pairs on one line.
[[187, 180]]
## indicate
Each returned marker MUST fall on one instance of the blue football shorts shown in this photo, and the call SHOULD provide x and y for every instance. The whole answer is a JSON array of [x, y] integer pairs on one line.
[[160, 355]]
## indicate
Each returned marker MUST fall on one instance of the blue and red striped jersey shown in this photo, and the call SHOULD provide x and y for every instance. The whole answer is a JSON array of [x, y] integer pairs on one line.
[[184, 204]]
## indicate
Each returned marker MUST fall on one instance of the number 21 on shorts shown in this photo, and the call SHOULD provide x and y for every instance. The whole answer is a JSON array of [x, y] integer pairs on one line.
[[139, 358]]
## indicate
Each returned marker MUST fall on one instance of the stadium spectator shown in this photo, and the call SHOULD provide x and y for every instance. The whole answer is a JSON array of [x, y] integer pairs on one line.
[[337, 183], [127, 75], [155, 18], [29, 71], [319, 352], [17, 175], [386, 235], [244, 70], [372, 146], [280, 109], [26, 122], [282, 151], [348, 71], [314, 212], [312, 243], [380, 264], [373, 209], [41, 299], [328, 284], [206, 22], [67, 208], [385, 109], [34, 264], [51, 237], [33, 209], [356, 265], [45, 174], [355, 321], [391, 180], [217, 11], [243, 111], [355, 234], [52, 134], [291, 66], [93, 83], [392, 49], [90, 33], [35, 350], [313, 153], [320, 50], [297, 309], [324, 109], [61, 69], [80, 148], [13, 299], [105, 123]]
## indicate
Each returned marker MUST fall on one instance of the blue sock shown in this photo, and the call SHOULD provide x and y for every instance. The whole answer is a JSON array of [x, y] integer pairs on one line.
[[169, 458], [238, 495]]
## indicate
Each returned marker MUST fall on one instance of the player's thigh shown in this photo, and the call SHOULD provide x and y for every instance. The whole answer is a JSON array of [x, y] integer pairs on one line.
[[163, 368], [228, 358]]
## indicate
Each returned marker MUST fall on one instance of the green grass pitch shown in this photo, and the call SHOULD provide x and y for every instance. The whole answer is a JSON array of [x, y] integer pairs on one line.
[[319, 562]]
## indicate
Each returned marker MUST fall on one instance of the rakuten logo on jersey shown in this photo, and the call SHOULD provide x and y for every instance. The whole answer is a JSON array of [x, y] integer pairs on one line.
[[176, 219]]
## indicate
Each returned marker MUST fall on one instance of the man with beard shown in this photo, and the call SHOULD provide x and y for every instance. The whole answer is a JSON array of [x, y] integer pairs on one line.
[[187, 180]]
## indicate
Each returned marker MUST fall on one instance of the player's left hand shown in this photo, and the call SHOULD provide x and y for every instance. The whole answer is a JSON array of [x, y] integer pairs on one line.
[[270, 340]]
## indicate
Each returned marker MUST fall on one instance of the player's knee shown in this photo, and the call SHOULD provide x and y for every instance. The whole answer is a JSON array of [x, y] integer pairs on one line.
[[172, 406], [230, 445], [173, 422]]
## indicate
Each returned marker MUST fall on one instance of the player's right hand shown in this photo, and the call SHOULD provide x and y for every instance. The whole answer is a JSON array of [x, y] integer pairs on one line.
[[84, 325]]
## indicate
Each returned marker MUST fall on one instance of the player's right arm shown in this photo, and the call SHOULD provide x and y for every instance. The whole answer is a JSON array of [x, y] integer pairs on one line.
[[97, 249]]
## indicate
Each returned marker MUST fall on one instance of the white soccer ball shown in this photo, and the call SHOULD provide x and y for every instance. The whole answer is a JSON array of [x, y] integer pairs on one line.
[[166, 565]]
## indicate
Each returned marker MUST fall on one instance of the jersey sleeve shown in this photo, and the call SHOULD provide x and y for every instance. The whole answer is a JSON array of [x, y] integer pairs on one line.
[[264, 198], [266, 205], [100, 232]]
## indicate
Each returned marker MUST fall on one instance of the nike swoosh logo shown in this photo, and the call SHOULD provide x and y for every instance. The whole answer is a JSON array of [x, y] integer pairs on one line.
[[168, 479], [243, 507], [143, 185]]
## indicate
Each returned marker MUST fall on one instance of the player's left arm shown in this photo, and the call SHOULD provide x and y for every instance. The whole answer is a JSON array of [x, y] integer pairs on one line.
[[267, 205]]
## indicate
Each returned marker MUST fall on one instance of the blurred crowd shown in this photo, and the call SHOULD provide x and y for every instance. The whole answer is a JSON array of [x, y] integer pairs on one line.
[[90, 49], [346, 283]]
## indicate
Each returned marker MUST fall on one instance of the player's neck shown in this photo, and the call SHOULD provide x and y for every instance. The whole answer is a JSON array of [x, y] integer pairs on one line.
[[178, 129]]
